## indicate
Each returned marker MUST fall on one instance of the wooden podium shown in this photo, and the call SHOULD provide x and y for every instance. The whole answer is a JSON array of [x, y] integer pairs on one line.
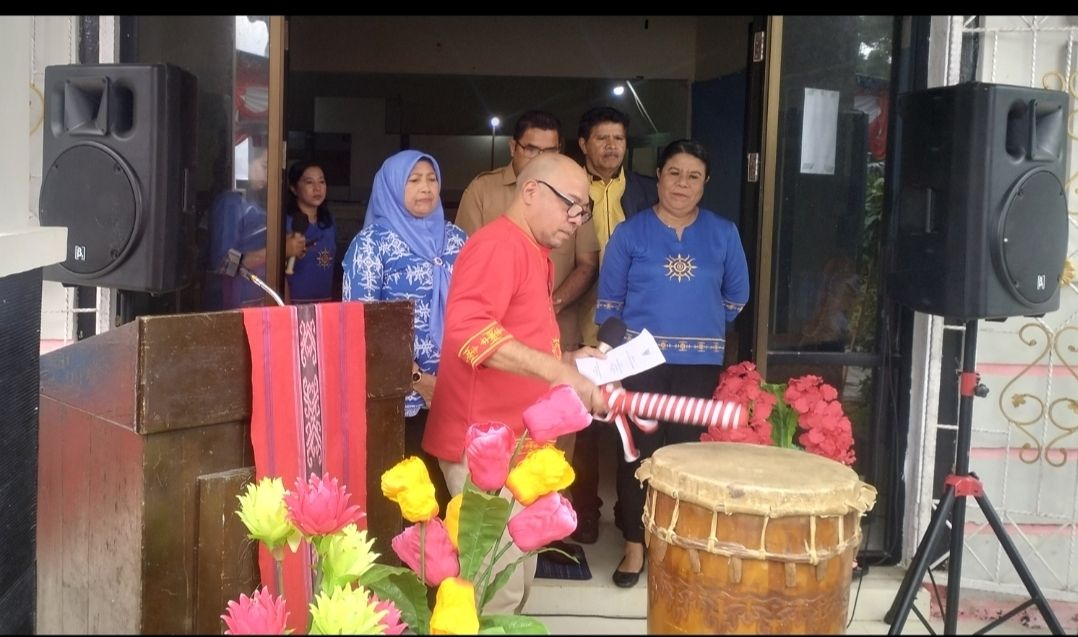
[[144, 446]]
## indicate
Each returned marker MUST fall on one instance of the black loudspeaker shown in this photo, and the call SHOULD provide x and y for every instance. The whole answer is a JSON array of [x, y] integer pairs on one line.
[[119, 153], [981, 226]]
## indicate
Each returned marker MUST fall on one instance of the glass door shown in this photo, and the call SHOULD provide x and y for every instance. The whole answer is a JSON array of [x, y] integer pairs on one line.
[[239, 64], [825, 121]]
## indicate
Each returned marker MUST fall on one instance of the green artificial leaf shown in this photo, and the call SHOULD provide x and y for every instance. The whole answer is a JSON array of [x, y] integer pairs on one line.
[[381, 571], [403, 588], [511, 625], [498, 582], [482, 521], [783, 418]]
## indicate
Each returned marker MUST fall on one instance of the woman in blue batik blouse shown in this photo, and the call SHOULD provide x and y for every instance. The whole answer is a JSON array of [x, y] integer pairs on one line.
[[679, 271], [311, 280], [406, 250]]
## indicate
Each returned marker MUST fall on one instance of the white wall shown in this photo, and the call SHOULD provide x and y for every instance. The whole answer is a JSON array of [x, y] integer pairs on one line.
[[27, 45], [15, 100]]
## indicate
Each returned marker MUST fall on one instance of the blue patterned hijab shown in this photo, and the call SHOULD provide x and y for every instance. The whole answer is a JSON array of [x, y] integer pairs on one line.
[[425, 237]]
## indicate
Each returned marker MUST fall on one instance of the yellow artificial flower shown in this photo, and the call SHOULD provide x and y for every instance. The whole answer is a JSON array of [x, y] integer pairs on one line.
[[404, 475], [408, 484], [418, 504], [454, 608], [345, 556], [263, 512], [345, 611], [452, 518], [542, 471]]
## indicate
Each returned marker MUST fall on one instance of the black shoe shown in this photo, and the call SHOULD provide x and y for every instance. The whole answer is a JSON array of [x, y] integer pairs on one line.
[[587, 530], [628, 579], [558, 558]]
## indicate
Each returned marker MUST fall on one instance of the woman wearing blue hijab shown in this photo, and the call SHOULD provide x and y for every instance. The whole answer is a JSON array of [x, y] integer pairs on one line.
[[406, 250]]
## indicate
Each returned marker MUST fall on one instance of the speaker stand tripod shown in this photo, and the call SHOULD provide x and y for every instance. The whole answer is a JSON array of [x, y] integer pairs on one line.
[[957, 487]]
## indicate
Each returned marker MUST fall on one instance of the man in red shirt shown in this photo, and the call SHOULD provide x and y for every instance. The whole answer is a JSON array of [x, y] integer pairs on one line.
[[501, 349]]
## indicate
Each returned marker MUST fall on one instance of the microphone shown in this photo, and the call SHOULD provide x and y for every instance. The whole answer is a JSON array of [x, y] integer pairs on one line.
[[232, 268], [611, 334], [300, 223]]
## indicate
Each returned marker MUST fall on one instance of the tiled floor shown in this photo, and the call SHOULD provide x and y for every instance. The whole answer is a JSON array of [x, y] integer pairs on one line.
[[598, 607]]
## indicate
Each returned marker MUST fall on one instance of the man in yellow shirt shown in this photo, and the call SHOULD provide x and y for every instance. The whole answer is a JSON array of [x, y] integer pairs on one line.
[[616, 193]]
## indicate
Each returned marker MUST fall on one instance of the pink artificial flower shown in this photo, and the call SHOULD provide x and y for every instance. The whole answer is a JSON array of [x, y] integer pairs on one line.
[[757, 431], [826, 429], [259, 614], [831, 438], [742, 383], [549, 518], [391, 621], [556, 413], [441, 558], [489, 448], [320, 507]]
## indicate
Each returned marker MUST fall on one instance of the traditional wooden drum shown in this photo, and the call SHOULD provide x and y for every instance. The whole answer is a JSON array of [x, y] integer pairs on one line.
[[748, 539]]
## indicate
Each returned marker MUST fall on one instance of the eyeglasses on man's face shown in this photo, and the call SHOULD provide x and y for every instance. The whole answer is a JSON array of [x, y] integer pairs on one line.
[[532, 151], [575, 210]]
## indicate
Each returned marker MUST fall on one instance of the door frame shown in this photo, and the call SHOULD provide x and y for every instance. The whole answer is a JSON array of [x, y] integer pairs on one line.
[[278, 49]]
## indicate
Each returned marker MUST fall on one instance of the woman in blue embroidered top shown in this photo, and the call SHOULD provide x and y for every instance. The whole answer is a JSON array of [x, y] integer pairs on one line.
[[678, 271], [312, 277], [406, 250]]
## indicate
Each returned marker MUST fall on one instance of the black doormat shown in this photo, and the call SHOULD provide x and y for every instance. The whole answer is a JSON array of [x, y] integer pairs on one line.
[[549, 569]]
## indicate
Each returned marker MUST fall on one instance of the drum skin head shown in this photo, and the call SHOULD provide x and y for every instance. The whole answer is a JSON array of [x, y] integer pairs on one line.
[[734, 477]]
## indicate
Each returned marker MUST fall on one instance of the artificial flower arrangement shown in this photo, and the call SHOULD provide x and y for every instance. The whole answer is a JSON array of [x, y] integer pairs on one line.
[[778, 411], [456, 555]]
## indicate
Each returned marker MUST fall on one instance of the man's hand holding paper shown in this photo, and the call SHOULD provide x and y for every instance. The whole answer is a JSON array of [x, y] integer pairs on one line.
[[639, 354]]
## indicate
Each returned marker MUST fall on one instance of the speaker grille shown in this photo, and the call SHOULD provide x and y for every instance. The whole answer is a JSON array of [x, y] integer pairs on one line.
[[1030, 258], [92, 191]]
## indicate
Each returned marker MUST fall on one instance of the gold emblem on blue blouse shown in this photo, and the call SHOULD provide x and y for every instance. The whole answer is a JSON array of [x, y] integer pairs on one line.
[[325, 260], [679, 267]]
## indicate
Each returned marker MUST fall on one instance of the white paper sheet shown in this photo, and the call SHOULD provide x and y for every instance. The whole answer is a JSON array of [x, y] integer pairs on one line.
[[819, 132], [630, 358]]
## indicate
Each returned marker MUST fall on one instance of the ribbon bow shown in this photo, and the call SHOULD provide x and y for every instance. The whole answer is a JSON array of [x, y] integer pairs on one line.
[[645, 410], [617, 403]]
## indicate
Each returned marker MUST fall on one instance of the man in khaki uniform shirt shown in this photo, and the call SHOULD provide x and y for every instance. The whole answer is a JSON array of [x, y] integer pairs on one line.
[[576, 261]]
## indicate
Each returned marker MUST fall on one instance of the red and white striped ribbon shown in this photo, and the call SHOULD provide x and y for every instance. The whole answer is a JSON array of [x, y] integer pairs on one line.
[[685, 410], [646, 409]]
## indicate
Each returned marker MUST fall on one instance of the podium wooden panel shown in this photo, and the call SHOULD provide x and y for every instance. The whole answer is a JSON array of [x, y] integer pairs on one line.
[[144, 445]]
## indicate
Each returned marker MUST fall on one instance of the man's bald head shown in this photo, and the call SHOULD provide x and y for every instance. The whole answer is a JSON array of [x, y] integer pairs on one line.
[[546, 190], [547, 166]]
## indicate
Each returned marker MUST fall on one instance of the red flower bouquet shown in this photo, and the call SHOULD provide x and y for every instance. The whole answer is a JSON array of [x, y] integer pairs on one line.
[[779, 411]]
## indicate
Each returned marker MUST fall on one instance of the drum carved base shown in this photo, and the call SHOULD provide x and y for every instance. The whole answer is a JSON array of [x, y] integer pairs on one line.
[[699, 606]]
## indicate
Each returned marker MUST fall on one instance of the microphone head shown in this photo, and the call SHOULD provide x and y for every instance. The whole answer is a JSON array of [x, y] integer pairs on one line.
[[300, 223], [232, 266], [611, 333]]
